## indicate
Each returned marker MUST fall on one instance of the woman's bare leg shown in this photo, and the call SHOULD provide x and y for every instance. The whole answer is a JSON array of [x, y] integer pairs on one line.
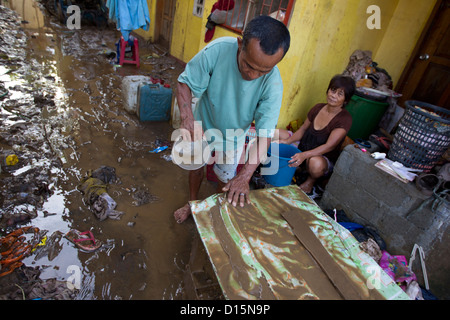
[[317, 167]]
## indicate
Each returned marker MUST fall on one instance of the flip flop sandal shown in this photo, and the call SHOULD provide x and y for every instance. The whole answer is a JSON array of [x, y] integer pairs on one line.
[[83, 240], [382, 142], [363, 143]]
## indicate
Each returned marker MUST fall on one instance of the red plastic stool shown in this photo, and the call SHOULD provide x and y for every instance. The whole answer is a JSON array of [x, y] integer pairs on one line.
[[134, 51]]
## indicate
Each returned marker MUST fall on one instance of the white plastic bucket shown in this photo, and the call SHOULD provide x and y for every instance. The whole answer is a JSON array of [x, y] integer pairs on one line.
[[130, 86]]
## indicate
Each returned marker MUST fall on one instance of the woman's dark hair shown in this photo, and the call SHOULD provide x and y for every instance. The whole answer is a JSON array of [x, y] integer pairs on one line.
[[343, 82], [271, 33]]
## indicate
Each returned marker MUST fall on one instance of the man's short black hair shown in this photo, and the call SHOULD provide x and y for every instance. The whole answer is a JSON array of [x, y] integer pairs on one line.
[[271, 33], [343, 82]]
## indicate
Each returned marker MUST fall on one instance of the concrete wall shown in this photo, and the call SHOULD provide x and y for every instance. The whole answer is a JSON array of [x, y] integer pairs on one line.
[[373, 198]]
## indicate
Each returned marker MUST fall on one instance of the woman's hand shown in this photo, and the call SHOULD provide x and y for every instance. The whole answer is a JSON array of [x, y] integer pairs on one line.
[[297, 159]]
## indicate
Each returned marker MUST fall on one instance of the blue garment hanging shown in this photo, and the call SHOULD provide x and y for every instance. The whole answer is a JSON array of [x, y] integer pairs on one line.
[[129, 15]]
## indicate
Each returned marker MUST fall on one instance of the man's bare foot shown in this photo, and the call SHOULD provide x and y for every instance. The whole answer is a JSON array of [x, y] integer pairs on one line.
[[182, 213]]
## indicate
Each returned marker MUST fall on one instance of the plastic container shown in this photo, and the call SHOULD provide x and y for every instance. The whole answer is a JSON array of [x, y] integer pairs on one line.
[[191, 155], [154, 102], [130, 86], [422, 137], [366, 115], [277, 171]]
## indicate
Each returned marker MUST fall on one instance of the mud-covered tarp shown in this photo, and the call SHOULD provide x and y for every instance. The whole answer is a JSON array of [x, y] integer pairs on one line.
[[283, 246]]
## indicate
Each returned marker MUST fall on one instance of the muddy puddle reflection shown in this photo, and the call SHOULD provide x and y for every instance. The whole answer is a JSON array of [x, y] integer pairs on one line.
[[64, 116]]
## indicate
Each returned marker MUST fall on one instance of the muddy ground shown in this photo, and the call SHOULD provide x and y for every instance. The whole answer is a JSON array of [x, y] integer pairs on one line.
[[62, 115]]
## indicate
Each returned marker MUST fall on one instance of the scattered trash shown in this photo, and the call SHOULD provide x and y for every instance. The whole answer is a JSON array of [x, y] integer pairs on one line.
[[25, 284], [397, 170], [372, 249], [105, 206], [363, 143], [142, 197], [109, 54], [83, 240], [159, 149], [104, 173], [427, 182], [96, 196], [39, 119], [40, 244], [153, 55], [378, 155], [11, 160], [15, 247], [163, 143], [49, 247], [413, 291], [396, 266], [8, 160], [360, 232], [384, 143], [422, 261]]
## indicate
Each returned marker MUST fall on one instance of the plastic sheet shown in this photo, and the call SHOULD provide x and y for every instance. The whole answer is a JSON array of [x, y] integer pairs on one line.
[[256, 254]]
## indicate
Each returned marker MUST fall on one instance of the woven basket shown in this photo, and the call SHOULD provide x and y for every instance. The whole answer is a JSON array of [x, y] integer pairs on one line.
[[422, 137]]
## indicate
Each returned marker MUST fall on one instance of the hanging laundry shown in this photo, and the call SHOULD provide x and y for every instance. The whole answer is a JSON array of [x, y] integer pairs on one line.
[[221, 6], [129, 15]]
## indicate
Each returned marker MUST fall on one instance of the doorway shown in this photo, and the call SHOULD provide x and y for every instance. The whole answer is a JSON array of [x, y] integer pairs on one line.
[[165, 10], [427, 75]]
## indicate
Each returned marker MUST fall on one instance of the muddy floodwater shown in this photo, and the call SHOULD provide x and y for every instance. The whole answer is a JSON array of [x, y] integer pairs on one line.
[[62, 115]]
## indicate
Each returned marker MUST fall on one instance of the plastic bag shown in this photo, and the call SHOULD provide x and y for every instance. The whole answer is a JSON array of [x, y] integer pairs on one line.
[[397, 268]]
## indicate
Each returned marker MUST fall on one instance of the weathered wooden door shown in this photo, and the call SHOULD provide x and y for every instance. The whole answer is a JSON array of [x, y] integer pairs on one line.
[[427, 77], [165, 30]]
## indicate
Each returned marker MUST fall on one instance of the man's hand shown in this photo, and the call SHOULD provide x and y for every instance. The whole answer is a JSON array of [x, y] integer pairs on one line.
[[191, 130], [238, 190]]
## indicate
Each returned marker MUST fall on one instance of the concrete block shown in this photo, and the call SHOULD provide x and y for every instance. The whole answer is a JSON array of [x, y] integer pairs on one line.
[[391, 191], [351, 196], [437, 263], [344, 164], [399, 234], [371, 197], [422, 216]]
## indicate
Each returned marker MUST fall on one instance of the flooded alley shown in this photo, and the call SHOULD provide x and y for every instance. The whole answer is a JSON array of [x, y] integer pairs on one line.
[[62, 115]]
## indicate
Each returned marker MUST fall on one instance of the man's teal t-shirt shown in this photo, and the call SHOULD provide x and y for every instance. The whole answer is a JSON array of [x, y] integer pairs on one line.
[[227, 102]]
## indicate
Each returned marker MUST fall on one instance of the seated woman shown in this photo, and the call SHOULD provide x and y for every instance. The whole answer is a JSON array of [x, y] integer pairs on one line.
[[323, 132]]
